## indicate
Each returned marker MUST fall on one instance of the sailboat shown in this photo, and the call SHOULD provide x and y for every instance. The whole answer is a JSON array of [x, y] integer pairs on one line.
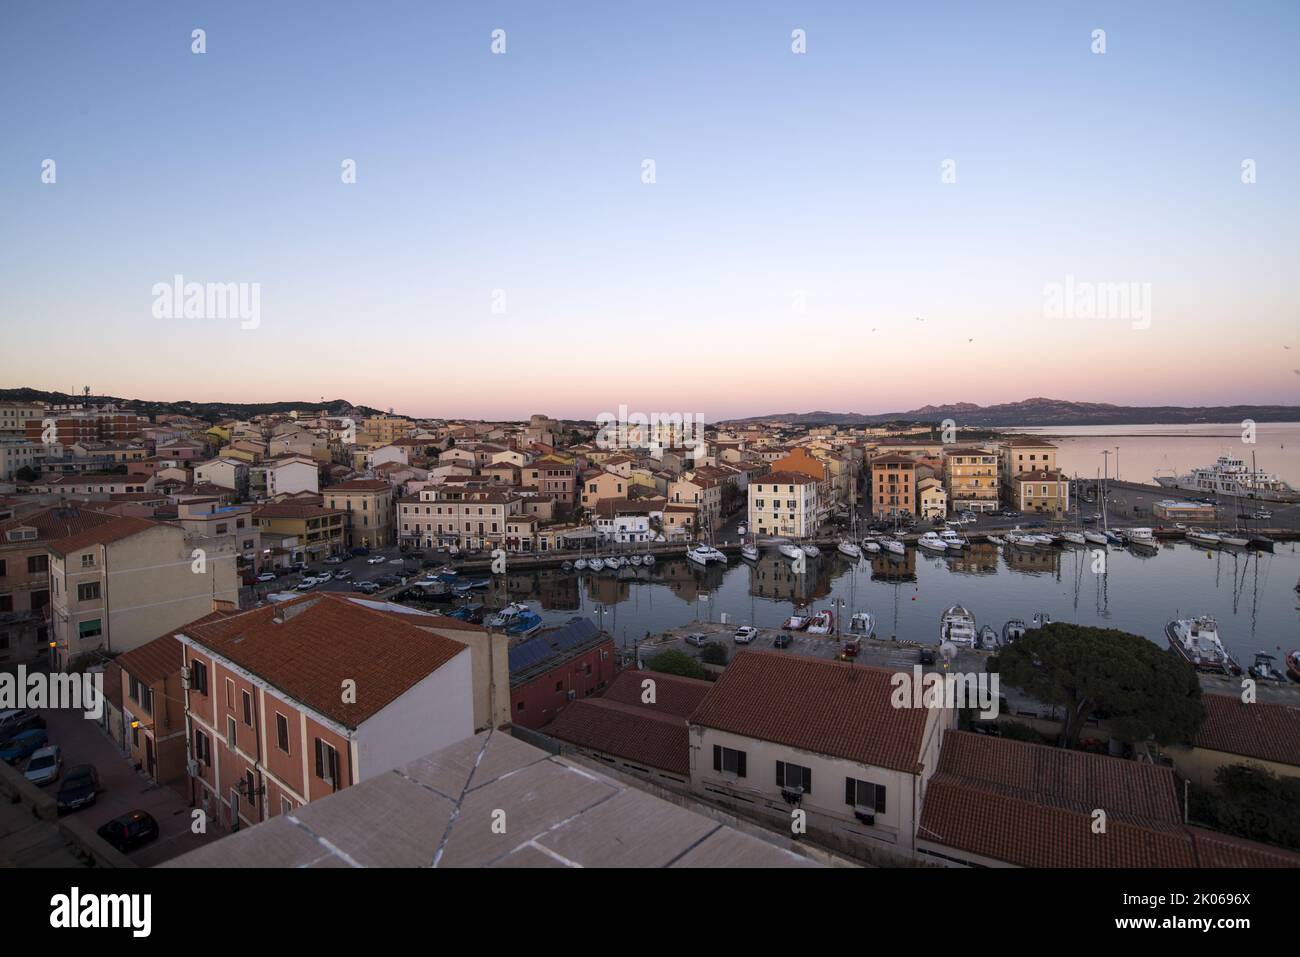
[[1076, 536], [847, 547]]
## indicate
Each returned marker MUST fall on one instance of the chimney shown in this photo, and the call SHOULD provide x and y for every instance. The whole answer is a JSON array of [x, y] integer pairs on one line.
[[291, 610]]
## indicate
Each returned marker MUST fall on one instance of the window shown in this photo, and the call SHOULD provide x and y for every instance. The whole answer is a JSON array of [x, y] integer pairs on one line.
[[286, 806], [864, 795], [135, 728], [90, 629], [726, 759], [230, 694], [248, 709], [36, 564], [88, 591], [199, 677], [282, 732], [231, 738], [793, 776], [327, 763], [202, 748], [88, 559]]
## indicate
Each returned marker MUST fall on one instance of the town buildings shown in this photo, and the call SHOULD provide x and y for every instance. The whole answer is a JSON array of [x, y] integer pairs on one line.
[[784, 503], [893, 485], [368, 510], [971, 475]]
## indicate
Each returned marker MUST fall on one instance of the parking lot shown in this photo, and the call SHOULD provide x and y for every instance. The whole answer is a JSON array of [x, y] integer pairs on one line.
[[122, 787], [389, 562]]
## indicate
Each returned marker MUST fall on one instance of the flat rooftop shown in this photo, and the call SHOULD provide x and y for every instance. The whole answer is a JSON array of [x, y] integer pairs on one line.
[[440, 811]]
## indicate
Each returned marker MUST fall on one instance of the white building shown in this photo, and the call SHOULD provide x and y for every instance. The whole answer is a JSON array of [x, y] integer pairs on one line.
[[784, 503]]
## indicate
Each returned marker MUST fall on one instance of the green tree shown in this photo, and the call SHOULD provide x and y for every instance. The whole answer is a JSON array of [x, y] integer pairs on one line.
[[1142, 690], [25, 474], [674, 662], [1250, 801], [714, 653]]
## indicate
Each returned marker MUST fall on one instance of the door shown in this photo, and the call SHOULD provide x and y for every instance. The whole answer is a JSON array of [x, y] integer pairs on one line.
[[149, 757]]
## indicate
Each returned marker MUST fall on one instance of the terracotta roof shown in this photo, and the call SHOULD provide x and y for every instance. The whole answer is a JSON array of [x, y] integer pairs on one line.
[[359, 485], [117, 529], [1268, 732], [294, 510], [892, 458], [633, 732], [786, 478], [154, 660], [56, 522], [308, 646], [826, 707], [673, 694], [1223, 850]]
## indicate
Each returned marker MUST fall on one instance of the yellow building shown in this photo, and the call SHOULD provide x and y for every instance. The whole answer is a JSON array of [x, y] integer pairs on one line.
[[893, 485], [319, 530], [971, 474], [368, 506], [1044, 493]]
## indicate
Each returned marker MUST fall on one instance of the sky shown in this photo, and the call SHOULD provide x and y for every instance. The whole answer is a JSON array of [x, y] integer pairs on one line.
[[916, 210]]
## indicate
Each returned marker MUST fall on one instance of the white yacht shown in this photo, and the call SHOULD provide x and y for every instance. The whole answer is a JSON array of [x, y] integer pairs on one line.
[[812, 551], [703, 554], [931, 542], [749, 552], [1021, 540], [953, 538], [580, 564], [1143, 538], [894, 546], [1095, 537], [790, 550], [870, 546], [596, 564], [1235, 538], [849, 550], [1075, 538], [957, 626], [862, 623]]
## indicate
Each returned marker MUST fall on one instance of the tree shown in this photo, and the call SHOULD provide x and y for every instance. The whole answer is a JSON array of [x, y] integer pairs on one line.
[[25, 474], [714, 653], [1142, 690], [674, 662], [1250, 801]]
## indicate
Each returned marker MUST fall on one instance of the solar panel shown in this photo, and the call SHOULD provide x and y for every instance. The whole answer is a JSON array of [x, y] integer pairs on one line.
[[530, 653]]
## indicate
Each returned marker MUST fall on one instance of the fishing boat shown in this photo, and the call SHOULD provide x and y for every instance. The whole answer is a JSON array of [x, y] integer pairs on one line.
[[987, 640], [1263, 669], [849, 550], [1293, 665], [1143, 538], [957, 626], [953, 539], [823, 623], [749, 552], [931, 542], [580, 564], [862, 623], [797, 623], [1013, 630], [1197, 642], [596, 564], [1200, 536], [790, 550], [812, 551]]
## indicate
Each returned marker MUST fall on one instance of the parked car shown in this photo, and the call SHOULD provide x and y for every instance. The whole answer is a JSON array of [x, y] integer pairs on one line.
[[745, 634], [324, 576], [366, 588], [926, 657], [266, 577], [23, 745], [782, 640], [334, 560], [376, 560], [1263, 515], [44, 764], [16, 720], [130, 830], [387, 581], [79, 788], [343, 574], [308, 583], [697, 639]]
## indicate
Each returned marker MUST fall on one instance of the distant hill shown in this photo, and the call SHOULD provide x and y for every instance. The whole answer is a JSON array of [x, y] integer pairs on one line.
[[1040, 411], [208, 411]]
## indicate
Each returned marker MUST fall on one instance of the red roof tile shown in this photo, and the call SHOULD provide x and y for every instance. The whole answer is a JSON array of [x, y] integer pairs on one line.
[[117, 529], [673, 694], [1268, 732], [627, 731]]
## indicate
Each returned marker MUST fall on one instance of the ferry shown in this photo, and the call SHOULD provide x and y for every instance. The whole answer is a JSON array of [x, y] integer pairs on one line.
[[1229, 475], [1197, 641]]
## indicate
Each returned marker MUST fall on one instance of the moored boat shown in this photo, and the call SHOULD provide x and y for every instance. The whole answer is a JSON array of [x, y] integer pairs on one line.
[[849, 549], [812, 551], [862, 623], [894, 546], [931, 542], [1074, 538], [749, 552], [1143, 538], [987, 640], [1095, 537], [1263, 668], [823, 623], [1293, 665], [790, 550], [870, 546], [957, 626], [1196, 640], [1200, 536], [580, 564], [797, 623], [953, 539], [1013, 630], [596, 564]]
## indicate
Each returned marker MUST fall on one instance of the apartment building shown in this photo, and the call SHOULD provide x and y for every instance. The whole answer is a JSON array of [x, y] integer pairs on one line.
[[225, 472], [856, 764], [932, 497], [25, 578], [784, 503], [893, 485], [383, 430], [465, 517], [597, 486], [17, 454], [291, 473], [704, 493], [1025, 453], [367, 505], [102, 483], [971, 475], [153, 710], [14, 417], [1041, 493], [122, 583], [317, 531], [290, 703], [70, 424]]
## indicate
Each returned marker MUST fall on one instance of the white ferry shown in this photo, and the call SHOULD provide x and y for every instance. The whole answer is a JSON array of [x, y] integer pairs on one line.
[[1229, 475]]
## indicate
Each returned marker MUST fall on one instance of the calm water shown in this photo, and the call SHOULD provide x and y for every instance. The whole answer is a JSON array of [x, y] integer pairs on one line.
[[1145, 451], [1251, 593]]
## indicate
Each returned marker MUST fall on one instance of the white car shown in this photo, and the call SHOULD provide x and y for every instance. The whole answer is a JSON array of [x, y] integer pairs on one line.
[[324, 576], [745, 634], [266, 577], [333, 560], [44, 765], [697, 639], [307, 584], [376, 560]]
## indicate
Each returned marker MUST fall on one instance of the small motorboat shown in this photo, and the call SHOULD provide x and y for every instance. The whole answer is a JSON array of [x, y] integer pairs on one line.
[[953, 539], [1019, 539], [862, 623], [849, 550], [1116, 537], [932, 542], [791, 551], [580, 564], [566, 566], [508, 615], [823, 623], [812, 551], [1197, 642], [749, 553], [700, 554], [1074, 538], [1143, 538], [472, 613], [1042, 538], [1200, 536], [1263, 669], [635, 560], [987, 640], [870, 546], [1293, 665], [796, 623], [596, 564], [526, 624], [895, 547], [957, 627], [1013, 631], [1040, 619], [648, 560]]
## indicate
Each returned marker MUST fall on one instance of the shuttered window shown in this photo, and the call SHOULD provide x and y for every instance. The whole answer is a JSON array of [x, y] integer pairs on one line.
[[793, 776]]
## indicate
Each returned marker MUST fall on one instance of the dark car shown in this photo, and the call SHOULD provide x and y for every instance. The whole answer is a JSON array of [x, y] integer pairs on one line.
[[79, 788], [387, 581], [20, 721], [782, 640], [23, 745], [926, 657], [129, 831]]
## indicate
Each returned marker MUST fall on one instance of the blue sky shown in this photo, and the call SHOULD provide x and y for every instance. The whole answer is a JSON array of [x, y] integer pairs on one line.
[[776, 175]]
